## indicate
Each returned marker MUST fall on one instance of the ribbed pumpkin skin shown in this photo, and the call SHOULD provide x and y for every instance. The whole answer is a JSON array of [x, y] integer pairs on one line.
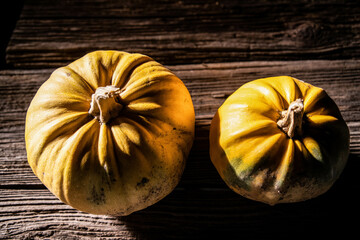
[[259, 161], [125, 165]]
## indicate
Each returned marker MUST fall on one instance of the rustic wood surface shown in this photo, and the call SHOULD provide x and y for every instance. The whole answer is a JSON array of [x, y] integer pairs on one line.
[[52, 33], [214, 47]]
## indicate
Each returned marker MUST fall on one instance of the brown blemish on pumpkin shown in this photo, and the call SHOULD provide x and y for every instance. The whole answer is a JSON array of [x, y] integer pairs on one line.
[[154, 193], [142, 183], [97, 197]]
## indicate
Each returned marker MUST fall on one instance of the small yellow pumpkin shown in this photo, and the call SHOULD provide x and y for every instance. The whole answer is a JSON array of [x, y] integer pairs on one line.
[[279, 139], [110, 132]]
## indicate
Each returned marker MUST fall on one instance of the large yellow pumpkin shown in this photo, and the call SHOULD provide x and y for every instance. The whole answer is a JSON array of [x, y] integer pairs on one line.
[[110, 132], [279, 140]]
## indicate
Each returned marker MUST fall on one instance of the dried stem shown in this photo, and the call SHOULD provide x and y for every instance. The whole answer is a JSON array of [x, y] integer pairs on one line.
[[291, 119], [104, 105]]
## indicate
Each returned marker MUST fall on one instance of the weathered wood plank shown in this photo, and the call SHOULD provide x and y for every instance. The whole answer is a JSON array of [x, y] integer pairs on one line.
[[209, 85], [52, 33], [184, 214]]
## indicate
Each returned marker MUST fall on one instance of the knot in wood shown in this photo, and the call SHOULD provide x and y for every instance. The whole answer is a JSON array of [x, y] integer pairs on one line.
[[309, 34]]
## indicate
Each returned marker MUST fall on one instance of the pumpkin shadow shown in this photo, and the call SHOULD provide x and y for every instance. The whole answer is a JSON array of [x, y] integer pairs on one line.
[[203, 207]]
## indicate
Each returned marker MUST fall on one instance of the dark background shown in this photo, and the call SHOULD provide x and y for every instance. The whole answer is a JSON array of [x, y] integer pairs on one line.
[[10, 12]]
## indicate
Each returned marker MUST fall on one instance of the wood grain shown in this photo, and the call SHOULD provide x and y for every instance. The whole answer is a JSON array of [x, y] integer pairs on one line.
[[52, 33], [184, 214]]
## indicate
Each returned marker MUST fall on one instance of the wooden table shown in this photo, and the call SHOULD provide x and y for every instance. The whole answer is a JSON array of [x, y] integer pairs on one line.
[[214, 47]]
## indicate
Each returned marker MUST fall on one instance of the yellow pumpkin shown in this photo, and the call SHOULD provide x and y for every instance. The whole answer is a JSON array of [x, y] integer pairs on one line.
[[110, 132], [279, 139]]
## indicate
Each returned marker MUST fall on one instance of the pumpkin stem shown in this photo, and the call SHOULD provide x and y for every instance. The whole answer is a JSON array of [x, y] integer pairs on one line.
[[105, 103], [291, 119]]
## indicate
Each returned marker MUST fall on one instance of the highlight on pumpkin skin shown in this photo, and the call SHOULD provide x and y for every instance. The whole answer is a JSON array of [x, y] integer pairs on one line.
[[110, 133], [278, 140]]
